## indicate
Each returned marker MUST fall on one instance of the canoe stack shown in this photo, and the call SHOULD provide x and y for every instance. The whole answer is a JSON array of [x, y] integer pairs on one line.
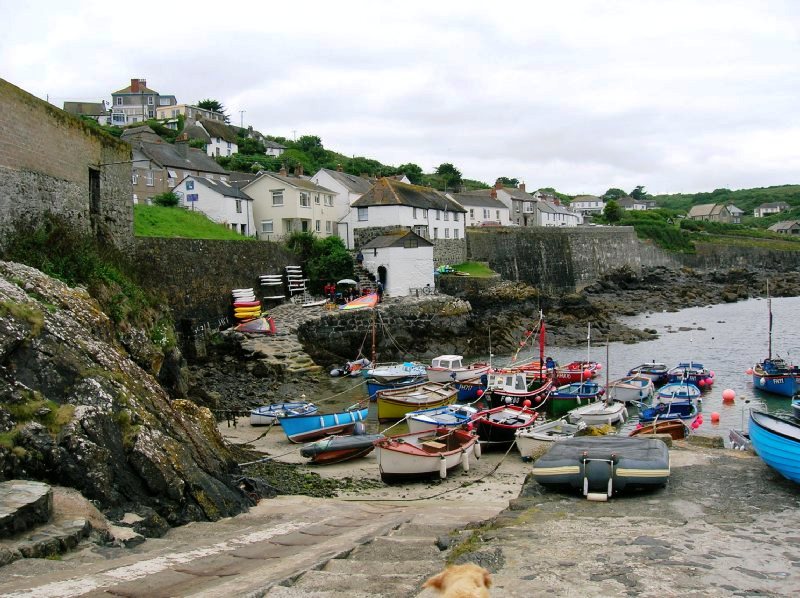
[[245, 304]]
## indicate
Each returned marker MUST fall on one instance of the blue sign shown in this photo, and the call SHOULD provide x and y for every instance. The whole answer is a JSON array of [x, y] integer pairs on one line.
[[191, 197], [189, 185]]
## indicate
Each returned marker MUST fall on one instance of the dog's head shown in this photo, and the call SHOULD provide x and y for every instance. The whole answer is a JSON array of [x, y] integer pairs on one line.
[[461, 581]]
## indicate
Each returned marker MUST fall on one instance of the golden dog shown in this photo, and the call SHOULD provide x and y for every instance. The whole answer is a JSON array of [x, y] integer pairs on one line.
[[461, 581]]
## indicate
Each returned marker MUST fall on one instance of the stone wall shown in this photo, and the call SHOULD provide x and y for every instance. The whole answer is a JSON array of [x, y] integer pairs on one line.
[[49, 163], [711, 256], [449, 251], [197, 275]]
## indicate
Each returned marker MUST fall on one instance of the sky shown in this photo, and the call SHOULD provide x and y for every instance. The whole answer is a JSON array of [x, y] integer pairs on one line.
[[582, 96]]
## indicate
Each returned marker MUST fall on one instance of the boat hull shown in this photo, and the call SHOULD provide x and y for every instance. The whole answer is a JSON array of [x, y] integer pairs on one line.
[[458, 375], [446, 417], [374, 387], [497, 427], [268, 415], [784, 385], [675, 428], [336, 449], [424, 455], [529, 439], [777, 442], [599, 413], [631, 389], [677, 391], [304, 428], [393, 405], [669, 411]]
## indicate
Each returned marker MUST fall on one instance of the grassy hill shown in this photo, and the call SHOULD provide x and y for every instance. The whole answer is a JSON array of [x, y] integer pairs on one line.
[[157, 221]]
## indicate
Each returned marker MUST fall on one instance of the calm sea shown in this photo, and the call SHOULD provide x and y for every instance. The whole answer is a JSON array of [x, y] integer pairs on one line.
[[727, 338]]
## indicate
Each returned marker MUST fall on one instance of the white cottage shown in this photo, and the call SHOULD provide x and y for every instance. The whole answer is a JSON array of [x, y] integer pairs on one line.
[[402, 260], [219, 200]]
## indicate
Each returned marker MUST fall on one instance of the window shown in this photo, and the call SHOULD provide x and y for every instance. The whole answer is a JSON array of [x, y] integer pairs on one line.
[[329, 200], [277, 198], [316, 198], [447, 233], [411, 243], [414, 215], [328, 227], [305, 199], [135, 177], [422, 231], [435, 233], [243, 229], [266, 227], [437, 215], [150, 178], [471, 214], [446, 215], [425, 214], [318, 226], [486, 214], [455, 233], [516, 207], [238, 206], [229, 145], [498, 215], [362, 214], [455, 216], [119, 101], [150, 100]]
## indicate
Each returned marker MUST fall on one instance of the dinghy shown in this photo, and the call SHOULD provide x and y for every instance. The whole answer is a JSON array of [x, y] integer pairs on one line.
[[630, 389], [394, 404], [497, 427], [267, 415], [302, 428], [675, 428], [666, 411], [426, 454], [599, 413], [448, 417], [528, 438], [777, 441], [450, 368], [336, 449]]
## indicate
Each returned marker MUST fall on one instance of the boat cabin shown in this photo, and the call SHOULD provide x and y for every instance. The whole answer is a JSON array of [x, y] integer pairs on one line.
[[448, 362], [509, 382]]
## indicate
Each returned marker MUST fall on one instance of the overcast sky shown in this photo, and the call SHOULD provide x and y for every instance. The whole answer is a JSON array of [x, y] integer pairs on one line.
[[678, 96]]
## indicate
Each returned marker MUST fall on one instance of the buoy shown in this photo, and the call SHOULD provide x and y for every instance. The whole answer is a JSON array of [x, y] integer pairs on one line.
[[464, 460], [468, 427], [359, 429], [728, 395], [526, 403], [587, 373], [709, 381], [695, 425], [508, 400], [762, 381], [442, 467], [599, 366], [476, 450], [711, 373], [714, 417], [701, 383], [639, 426], [749, 371], [479, 393]]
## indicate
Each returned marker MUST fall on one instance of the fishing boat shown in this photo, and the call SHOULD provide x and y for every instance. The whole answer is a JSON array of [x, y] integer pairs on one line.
[[471, 389], [450, 368], [527, 439], [447, 417], [374, 387], [677, 391], [566, 398], [497, 427], [303, 428], [576, 371], [393, 372], [692, 372], [599, 413], [657, 372], [515, 388], [774, 375], [636, 388], [394, 404], [363, 302], [674, 427], [777, 441], [352, 368], [666, 411], [267, 415], [425, 454], [336, 449]]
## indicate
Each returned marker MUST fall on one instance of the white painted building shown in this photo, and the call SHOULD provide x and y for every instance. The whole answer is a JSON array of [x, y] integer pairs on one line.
[[402, 261], [483, 208], [588, 205], [220, 201]]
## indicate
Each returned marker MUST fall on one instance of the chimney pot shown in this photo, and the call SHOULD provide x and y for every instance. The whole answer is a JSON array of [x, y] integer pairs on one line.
[[522, 186], [181, 145], [498, 184], [493, 193], [282, 171]]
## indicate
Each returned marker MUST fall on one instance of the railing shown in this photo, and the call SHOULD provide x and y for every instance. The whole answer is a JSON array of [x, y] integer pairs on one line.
[[422, 291]]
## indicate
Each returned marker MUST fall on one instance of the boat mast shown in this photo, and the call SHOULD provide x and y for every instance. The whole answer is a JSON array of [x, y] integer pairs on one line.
[[769, 307], [374, 350]]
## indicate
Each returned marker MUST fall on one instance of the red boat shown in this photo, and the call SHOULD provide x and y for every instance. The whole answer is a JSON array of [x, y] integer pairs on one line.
[[497, 427], [576, 371]]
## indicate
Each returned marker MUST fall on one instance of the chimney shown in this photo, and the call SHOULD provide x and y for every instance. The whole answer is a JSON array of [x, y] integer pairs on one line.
[[557, 202], [364, 175], [182, 145], [498, 184], [522, 186], [138, 85], [339, 168], [282, 171], [298, 170], [493, 193]]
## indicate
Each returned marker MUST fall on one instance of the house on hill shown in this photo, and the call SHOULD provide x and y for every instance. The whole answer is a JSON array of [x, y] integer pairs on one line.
[[218, 138], [483, 208], [221, 201], [775, 207], [137, 103], [391, 205], [402, 260], [190, 113], [710, 212], [786, 227], [736, 214], [94, 110], [537, 209], [588, 205]]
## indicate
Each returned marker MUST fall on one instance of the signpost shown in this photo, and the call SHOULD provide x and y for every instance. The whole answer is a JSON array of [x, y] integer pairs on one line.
[[191, 197]]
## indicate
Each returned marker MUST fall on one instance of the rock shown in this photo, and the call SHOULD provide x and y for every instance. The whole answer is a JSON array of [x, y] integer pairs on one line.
[[703, 440]]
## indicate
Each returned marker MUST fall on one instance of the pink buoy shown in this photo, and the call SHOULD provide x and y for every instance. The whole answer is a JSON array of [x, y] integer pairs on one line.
[[714, 417], [538, 399], [749, 371], [711, 373], [699, 418], [701, 382], [695, 425], [526, 403], [587, 373], [709, 381], [728, 395], [599, 366], [639, 426]]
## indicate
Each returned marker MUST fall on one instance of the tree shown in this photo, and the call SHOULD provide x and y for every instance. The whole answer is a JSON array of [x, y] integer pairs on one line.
[[639, 193], [412, 171], [167, 200], [612, 211], [216, 106], [507, 182], [614, 194], [450, 175]]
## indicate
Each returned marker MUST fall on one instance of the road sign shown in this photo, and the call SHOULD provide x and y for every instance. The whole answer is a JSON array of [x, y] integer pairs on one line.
[[191, 197]]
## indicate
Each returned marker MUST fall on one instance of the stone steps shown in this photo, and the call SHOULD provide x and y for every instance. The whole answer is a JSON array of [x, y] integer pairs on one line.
[[23, 504], [43, 541]]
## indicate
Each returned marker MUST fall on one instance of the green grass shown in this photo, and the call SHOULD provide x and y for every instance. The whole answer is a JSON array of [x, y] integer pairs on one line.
[[157, 221], [478, 269]]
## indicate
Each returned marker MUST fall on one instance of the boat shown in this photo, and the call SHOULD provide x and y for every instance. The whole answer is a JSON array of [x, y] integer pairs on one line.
[[777, 441], [352, 368], [336, 449], [257, 325], [497, 427], [392, 372], [527, 439], [599, 413], [447, 416], [774, 375], [576, 371], [692, 372], [267, 415], [667, 411], [471, 389], [566, 398], [677, 391], [602, 466], [740, 440], [636, 388], [674, 427], [374, 387], [657, 372], [425, 454], [450, 368], [796, 409], [394, 404], [515, 388], [302, 428], [363, 302]]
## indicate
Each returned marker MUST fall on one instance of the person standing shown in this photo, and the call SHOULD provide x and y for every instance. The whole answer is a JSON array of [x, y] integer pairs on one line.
[[360, 258], [379, 289]]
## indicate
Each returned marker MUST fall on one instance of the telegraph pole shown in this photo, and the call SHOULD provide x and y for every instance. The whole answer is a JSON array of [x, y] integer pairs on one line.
[[241, 118]]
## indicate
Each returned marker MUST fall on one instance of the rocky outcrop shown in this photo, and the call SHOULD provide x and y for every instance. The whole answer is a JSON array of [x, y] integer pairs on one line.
[[76, 410]]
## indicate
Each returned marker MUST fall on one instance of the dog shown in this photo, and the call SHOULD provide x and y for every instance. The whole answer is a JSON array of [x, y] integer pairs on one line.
[[461, 581]]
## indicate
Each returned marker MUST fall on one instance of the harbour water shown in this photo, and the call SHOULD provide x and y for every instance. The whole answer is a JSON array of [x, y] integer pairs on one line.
[[727, 338]]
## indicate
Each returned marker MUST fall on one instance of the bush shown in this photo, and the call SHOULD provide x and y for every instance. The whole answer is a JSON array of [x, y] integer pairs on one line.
[[167, 200]]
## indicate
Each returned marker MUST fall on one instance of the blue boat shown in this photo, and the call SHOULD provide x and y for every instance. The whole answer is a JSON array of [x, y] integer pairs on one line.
[[657, 372], [677, 391], [777, 442], [447, 416], [471, 389], [777, 377], [374, 387], [668, 411], [796, 409], [304, 428], [268, 415], [693, 372]]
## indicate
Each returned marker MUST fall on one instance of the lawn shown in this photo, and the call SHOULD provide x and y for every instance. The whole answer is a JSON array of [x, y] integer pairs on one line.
[[157, 221], [478, 269]]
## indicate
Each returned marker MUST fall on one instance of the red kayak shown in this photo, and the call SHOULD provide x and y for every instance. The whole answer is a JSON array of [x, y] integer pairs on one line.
[[246, 303]]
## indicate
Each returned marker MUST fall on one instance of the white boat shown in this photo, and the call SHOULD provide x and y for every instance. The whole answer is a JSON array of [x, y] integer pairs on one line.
[[431, 453], [385, 373], [268, 415], [450, 368], [631, 389], [557, 429], [448, 416], [599, 413]]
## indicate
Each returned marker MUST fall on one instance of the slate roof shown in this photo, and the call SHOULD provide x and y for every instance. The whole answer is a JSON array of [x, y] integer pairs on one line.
[[585, 198], [389, 192], [219, 129], [734, 210], [194, 131], [479, 199], [784, 225], [301, 182], [774, 204], [516, 193], [268, 143], [396, 239], [166, 154], [706, 209], [223, 188], [142, 89], [241, 179], [140, 133], [353, 183], [86, 108]]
